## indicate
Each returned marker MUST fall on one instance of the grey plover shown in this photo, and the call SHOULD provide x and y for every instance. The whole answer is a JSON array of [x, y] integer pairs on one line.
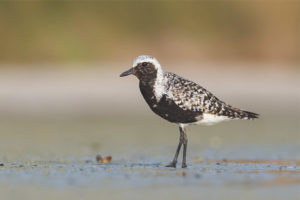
[[179, 100]]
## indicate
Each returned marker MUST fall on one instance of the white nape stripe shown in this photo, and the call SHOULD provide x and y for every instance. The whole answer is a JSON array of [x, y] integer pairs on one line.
[[210, 119], [159, 85]]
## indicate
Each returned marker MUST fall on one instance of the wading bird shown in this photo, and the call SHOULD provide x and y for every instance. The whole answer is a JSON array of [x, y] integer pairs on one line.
[[179, 100]]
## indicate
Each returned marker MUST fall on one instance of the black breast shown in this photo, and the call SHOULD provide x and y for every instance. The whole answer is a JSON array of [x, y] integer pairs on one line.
[[166, 108]]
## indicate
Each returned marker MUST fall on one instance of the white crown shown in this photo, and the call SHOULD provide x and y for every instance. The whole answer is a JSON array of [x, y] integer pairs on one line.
[[146, 58]]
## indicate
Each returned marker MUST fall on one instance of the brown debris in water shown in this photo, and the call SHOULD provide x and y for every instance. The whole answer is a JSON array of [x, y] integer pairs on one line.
[[99, 159], [106, 159]]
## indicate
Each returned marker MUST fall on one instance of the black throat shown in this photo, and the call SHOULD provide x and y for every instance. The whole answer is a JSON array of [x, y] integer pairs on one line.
[[166, 107]]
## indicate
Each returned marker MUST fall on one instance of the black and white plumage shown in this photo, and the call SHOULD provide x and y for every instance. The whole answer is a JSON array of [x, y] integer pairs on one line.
[[179, 100]]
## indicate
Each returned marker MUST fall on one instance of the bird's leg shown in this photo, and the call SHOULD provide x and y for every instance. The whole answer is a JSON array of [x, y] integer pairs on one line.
[[185, 141], [181, 139]]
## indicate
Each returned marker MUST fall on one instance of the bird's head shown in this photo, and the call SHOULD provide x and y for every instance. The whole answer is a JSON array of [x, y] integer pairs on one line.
[[145, 68]]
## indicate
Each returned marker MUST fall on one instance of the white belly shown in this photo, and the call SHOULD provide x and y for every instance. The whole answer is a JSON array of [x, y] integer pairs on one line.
[[209, 119]]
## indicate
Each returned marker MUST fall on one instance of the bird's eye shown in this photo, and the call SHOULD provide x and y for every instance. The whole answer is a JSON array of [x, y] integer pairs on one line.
[[144, 64]]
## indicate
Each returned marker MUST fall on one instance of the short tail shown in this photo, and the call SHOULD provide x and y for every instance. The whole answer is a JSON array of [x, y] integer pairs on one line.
[[235, 113], [249, 115]]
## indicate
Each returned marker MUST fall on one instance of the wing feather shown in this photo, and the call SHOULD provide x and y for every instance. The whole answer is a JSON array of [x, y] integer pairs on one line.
[[191, 96]]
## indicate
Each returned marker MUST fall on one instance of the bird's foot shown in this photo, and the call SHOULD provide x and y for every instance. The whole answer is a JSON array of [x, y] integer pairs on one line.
[[172, 164], [184, 165]]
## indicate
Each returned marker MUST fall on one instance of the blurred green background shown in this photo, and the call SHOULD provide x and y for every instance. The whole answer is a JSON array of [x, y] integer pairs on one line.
[[97, 31], [62, 101], [60, 63]]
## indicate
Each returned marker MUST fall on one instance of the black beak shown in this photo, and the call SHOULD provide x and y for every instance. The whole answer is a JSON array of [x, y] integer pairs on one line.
[[126, 73]]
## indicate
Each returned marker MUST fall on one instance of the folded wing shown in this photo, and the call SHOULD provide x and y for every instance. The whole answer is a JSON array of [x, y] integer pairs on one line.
[[191, 96]]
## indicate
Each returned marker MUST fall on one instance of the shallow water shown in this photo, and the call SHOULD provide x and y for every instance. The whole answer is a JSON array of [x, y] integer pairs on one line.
[[54, 158], [150, 179]]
